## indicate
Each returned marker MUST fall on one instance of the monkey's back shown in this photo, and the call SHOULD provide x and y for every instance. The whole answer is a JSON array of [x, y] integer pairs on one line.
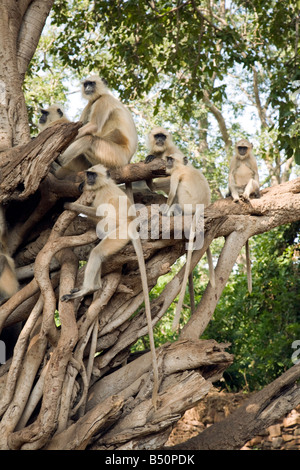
[[193, 188]]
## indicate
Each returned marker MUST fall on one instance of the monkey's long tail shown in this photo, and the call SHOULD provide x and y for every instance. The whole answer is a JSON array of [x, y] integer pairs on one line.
[[248, 265], [186, 274], [140, 256], [211, 268], [192, 293]]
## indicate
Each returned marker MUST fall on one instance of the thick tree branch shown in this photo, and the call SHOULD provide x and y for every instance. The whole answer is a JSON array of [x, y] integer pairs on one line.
[[23, 168], [259, 412], [30, 32]]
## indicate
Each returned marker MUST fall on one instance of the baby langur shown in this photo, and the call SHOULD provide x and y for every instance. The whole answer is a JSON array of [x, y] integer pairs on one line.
[[8, 279], [188, 188], [108, 135], [160, 145], [243, 182], [120, 228]]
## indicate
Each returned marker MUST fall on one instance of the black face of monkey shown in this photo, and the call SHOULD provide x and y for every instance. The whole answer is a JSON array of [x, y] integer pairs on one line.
[[44, 116], [89, 87], [242, 150], [170, 163], [91, 177], [160, 139]]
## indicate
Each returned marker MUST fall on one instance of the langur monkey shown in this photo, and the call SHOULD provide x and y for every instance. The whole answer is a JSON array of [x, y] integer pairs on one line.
[[160, 145], [243, 182], [119, 233], [50, 116], [243, 172], [8, 279], [188, 187], [108, 135]]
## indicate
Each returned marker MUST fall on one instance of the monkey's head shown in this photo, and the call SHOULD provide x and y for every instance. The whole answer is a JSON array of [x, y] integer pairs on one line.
[[93, 87], [96, 177], [243, 148], [49, 115], [173, 161], [158, 139]]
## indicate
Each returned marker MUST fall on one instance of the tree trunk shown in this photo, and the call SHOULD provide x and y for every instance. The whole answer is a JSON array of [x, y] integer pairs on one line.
[[21, 24]]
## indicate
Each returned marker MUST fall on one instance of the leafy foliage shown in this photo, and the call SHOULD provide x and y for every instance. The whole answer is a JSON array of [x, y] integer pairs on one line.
[[262, 326]]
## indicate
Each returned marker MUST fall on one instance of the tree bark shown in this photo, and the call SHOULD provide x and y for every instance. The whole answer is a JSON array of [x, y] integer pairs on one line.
[[21, 24], [259, 412]]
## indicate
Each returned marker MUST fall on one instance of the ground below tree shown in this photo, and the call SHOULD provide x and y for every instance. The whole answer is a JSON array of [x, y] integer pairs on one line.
[[216, 406]]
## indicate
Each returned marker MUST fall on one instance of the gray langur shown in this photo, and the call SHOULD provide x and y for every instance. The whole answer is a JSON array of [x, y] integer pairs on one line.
[[50, 116], [160, 145], [243, 183], [108, 135], [188, 188], [243, 172], [118, 234]]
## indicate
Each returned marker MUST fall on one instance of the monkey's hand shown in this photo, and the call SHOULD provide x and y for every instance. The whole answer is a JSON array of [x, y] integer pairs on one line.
[[150, 158], [55, 167], [89, 128]]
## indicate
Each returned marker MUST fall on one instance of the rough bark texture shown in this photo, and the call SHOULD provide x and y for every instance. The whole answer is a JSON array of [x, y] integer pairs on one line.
[[70, 398]]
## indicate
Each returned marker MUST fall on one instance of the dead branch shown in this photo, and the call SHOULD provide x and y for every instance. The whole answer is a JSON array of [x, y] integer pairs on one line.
[[24, 167], [259, 412]]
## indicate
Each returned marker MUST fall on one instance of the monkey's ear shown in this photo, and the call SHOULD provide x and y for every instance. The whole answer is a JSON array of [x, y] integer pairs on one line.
[[108, 174], [185, 160], [81, 187]]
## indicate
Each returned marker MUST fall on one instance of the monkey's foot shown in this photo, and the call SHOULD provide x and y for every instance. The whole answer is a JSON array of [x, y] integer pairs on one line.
[[72, 295], [244, 198]]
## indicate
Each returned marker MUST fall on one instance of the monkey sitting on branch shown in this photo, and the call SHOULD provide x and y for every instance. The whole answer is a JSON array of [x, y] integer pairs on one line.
[[119, 224], [189, 188], [160, 144], [243, 183], [108, 135], [243, 172]]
